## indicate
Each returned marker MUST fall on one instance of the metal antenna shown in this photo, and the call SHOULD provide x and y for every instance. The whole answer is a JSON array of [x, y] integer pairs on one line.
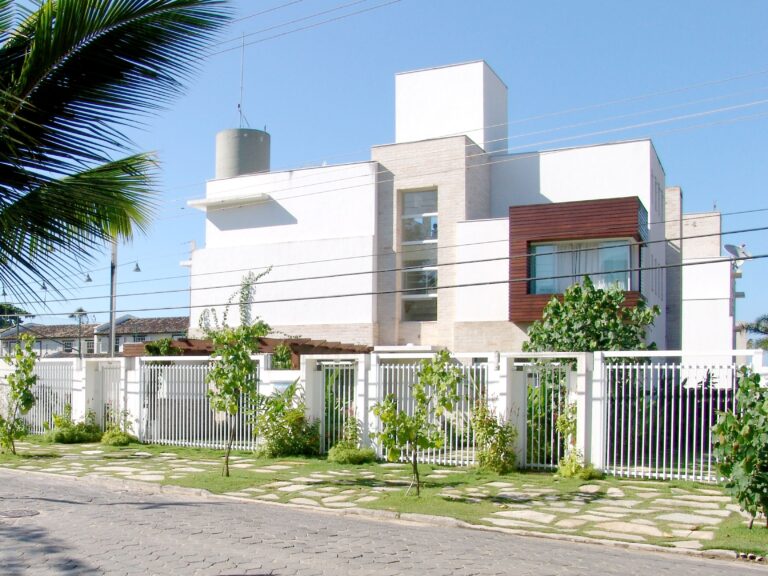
[[242, 68]]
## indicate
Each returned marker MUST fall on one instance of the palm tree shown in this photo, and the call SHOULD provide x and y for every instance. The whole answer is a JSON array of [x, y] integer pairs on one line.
[[73, 75], [759, 326]]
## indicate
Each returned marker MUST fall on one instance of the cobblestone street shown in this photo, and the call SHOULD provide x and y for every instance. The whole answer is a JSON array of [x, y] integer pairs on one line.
[[54, 525]]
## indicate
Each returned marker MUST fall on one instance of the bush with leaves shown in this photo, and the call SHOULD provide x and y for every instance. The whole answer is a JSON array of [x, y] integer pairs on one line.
[[348, 450], [119, 430], [495, 440], [66, 431], [741, 446], [19, 399], [406, 432], [282, 424], [589, 319], [232, 380], [282, 357]]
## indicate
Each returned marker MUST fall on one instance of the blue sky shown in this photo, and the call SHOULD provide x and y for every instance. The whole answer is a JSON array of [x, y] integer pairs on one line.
[[690, 74]]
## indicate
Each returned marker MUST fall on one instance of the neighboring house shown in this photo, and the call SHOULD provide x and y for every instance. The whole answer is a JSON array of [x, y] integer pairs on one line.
[[132, 329], [442, 238], [52, 339]]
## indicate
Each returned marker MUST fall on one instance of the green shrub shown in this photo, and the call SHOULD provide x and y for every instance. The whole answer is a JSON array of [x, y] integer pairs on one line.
[[343, 453], [117, 437], [572, 466], [741, 446], [66, 431], [283, 426], [496, 441]]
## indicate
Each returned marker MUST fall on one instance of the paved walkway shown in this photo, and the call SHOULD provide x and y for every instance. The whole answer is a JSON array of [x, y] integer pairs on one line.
[[51, 525], [626, 511]]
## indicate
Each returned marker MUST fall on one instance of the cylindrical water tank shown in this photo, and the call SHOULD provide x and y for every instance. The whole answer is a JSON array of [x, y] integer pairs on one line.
[[241, 151]]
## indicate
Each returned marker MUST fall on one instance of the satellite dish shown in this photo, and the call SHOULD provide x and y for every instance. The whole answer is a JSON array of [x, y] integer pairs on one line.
[[739, 253]]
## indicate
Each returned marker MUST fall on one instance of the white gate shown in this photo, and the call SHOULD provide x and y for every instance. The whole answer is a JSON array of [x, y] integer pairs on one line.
[[659, 414], [53, 391], [339, 379]]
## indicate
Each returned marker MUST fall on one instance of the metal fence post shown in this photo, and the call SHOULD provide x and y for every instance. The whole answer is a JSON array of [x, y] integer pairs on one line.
[[598, 407], [580, 393], [515, 383]]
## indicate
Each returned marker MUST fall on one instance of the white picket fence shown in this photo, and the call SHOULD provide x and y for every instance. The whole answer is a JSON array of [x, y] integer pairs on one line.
[[176, 411], [639, 414], [458, 445], [659, 414]]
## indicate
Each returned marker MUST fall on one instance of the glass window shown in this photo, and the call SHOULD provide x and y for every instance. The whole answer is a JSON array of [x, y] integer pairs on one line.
[[420, 310], [419, 228], [419, 256], [89, 347], [68, 345], [554, 267], [419, 203], [139, 337], [420, 281], [614, 258], [543, 266]]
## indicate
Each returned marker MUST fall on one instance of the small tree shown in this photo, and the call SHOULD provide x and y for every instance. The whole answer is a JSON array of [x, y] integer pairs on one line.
[[232, 377], [434, 393], [741, 446], [20, 398], [588, 319]]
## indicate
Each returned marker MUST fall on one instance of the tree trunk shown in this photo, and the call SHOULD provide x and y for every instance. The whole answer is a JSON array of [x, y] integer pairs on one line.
[[415, 472], [230, 439]]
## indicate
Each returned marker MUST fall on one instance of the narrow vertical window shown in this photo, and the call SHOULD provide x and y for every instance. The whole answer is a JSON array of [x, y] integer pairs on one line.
[[418, 249]]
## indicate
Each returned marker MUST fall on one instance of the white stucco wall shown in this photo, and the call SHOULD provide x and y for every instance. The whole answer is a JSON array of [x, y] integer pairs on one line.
[[707, 320], [451, 100], [596, 172], [481, 240], [318, 222]]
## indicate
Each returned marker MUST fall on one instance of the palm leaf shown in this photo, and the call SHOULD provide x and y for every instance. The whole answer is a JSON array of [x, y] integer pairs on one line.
[[74, 215], [73, 75]]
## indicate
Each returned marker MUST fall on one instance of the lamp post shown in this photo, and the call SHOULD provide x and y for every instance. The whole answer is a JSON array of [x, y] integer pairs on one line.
[[112, 298]]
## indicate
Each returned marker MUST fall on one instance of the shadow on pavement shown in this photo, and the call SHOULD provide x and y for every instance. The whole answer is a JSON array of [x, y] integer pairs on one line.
[[29, 548]]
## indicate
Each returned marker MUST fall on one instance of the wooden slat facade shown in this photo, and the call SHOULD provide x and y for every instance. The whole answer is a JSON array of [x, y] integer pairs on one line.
[[559, 222]]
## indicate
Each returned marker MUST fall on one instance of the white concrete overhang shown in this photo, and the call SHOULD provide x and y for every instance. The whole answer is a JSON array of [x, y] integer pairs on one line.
[[229, 201]]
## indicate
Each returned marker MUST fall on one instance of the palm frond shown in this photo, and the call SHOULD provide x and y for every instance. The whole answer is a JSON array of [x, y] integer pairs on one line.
[[63, 221], [759, 326], [78, 68]]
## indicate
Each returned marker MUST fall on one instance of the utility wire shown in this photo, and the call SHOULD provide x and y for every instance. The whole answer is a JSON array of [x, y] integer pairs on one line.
[[407, 268], [425, 249], [416, 290]]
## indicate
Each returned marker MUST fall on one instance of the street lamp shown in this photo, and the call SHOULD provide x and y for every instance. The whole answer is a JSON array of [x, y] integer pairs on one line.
[[113, 296]]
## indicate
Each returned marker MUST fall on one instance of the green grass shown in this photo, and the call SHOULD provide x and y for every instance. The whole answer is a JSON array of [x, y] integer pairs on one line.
[[734, 534], [439, 496]]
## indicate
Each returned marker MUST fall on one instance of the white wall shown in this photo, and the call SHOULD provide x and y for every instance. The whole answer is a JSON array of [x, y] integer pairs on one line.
[[588, 173], [310, 204], [707, 320], [451, 100], [483, 303], [318, 222]]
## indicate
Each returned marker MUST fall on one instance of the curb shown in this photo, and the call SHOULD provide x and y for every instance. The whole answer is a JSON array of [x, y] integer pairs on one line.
[[139, 486]]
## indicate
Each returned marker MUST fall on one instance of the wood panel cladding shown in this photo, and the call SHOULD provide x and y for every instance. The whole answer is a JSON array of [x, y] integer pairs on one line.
[[563, 221]]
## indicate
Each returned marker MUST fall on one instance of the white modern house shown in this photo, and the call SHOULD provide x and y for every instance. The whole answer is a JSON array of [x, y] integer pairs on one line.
[[443, 237]]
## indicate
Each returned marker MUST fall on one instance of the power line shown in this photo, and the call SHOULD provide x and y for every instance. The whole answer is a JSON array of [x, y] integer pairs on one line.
[[432, 247], [404, 268], [418, 290], [310, 26]]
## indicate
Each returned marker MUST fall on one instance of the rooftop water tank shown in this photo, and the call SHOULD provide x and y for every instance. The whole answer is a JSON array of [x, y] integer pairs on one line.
[[241, 151]]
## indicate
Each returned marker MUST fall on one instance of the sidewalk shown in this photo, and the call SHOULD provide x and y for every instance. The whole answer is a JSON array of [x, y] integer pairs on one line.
[[675, 515]]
